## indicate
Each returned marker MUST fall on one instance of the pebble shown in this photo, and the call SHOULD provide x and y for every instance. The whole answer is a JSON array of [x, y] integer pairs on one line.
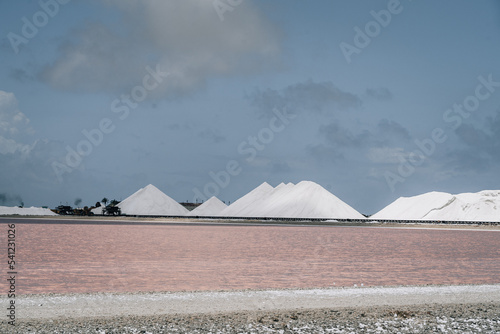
[[452, 318]]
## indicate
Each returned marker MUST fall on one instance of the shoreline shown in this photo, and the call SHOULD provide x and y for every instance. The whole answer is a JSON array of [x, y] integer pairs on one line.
[[130, 220], [415, 309], [53, 306]]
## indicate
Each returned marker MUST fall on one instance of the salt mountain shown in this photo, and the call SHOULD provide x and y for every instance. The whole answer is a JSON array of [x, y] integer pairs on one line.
[[481, 206], [303, 200], [32, 211], [212, 207], [151, 201]]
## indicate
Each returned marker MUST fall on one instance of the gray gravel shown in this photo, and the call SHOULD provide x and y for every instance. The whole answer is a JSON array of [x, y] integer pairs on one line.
[[449, 318], [423, 309], [201, 302]]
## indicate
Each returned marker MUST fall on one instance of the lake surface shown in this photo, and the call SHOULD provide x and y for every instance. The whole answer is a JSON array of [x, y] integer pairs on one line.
[[91, 258]]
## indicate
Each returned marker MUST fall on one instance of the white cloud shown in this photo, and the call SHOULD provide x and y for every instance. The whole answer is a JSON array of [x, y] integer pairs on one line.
[[21, 163], [391, 155], [12, 121], [13, 125], [185, 37], [11, 146]]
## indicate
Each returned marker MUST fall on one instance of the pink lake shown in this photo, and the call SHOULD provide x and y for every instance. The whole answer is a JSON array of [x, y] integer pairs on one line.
[[102, 258]]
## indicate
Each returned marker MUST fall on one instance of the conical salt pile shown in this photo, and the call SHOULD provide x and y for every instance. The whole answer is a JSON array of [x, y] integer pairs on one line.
[[98, 210], [304, 200], [150, 201], [253, 198], [212, 207]]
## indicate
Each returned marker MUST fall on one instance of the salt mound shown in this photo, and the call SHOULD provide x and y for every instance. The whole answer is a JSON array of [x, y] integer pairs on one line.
[[212, 207], [252, 199], [415, 207], [255, 200], [150, 201], [304, 200], [98, 210], [33, 211], [481, 206]]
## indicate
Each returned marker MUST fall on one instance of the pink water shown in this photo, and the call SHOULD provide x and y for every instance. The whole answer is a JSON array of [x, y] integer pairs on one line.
[[90, 258]]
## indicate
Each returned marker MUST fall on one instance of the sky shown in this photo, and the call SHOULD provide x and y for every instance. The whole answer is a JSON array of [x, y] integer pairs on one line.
[[373, 100]]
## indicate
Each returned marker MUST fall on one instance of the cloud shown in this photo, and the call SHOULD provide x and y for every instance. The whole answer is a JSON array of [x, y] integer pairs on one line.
[[184, 37], [211, 135], [12, 121], [11, 146], [13, 125], [467, 160], [21, 75], [390, 131], [24, 160], [324, 154], [31, 166], [386, 133], [385, 143], [473, 137], [340, 136], [306, 96], [281, 167], [382, 94], [480, 146], [95, 60], [8, 199], [384, 155], [484, 140]]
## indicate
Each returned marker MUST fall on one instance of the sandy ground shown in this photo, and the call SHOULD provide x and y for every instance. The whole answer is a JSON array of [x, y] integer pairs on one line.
[[448, 309]]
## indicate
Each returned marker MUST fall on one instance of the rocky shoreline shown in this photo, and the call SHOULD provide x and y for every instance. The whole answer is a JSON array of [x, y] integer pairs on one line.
[[447, 318]]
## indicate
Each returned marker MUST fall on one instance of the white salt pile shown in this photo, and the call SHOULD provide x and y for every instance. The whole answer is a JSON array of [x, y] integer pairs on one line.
[[150, 201], [98, 210], [33, 211], [415, 207], [240, 207], [304, 200], [481, 206], [212, 207]]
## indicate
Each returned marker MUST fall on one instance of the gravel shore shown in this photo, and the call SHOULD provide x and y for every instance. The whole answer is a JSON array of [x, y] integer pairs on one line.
[[449, 318], [443, 309]]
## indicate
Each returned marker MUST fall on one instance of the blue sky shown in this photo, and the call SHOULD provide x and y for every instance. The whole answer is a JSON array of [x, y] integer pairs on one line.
[[371, 99]]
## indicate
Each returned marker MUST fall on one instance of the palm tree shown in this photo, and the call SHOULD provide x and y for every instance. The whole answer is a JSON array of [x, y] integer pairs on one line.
[[104, 200]]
